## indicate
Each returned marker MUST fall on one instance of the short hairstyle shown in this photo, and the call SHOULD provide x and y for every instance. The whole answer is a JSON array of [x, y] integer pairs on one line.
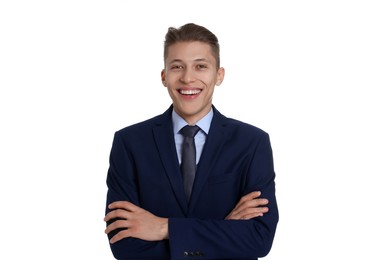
[[191, 32]]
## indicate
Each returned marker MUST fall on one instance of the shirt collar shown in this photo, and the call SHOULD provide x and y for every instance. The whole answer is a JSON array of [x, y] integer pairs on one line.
[[204, 123]]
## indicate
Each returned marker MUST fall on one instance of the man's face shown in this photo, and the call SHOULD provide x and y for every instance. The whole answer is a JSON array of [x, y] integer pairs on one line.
[[190, 76]]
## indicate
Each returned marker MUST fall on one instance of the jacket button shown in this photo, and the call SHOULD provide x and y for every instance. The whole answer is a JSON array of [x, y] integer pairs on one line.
[[186, 254]]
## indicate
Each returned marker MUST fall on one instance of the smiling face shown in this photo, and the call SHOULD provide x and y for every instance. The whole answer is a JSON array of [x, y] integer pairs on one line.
[[190, 76]]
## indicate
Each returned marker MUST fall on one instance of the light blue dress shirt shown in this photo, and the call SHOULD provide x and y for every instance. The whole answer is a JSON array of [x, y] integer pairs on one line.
[[200, 137]]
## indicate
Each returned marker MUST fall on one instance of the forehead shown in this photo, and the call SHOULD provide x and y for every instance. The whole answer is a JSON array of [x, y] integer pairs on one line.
[[190, 51]]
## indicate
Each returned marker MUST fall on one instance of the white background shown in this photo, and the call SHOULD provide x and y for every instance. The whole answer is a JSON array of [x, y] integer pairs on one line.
[[313, 74]]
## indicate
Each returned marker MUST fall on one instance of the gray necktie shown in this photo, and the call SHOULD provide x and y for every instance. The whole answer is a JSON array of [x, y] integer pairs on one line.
[[188, 159]]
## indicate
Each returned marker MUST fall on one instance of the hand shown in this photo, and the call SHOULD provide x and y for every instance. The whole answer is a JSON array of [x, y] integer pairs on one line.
[[138, 223], [249, 206]]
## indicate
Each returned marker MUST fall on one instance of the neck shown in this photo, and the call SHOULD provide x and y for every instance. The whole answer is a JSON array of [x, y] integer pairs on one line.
[[192, 119]]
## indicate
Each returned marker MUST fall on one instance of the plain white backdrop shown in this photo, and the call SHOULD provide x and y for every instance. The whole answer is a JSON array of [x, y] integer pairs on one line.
[[314, 74]]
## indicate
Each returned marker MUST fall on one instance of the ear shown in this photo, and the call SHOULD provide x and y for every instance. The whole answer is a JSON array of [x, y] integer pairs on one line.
[[163, 78], [220, 76]]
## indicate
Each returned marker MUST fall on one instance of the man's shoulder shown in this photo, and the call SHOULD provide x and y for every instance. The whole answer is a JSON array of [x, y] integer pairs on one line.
[[141, 128], [141, 125], [145, 127]]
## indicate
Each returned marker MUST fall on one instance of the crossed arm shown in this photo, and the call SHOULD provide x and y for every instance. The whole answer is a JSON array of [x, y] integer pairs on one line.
[[136, 232], [139, 223]]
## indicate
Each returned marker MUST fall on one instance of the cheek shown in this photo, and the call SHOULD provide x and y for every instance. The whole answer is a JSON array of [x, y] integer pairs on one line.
[[210, 82], [212, 79], [172, 92], [171, 80]]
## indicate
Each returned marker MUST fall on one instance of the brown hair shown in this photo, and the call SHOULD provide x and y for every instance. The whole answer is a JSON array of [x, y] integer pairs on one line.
[[191, 32]]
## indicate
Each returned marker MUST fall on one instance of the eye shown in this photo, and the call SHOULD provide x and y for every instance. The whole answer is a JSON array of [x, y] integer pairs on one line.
[[176, 67], [201, 66]]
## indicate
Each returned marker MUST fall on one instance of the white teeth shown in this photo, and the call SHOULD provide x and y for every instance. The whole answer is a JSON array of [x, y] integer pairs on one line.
[[189, 91]]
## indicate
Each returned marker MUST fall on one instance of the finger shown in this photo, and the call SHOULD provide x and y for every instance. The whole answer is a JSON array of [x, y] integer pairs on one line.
[[251, 196], [263, 209], [253, 215], [252, 212], [251, 204], [118, 213], [248, 211], [254, 203], [121, 235], [116, 225], [248, 197], [263, 202], [247, 214], [123, 205]]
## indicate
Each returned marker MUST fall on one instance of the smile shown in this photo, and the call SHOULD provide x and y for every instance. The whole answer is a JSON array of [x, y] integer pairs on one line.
[[190, 91]]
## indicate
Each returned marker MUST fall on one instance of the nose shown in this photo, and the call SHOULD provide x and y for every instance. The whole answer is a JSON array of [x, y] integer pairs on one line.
[[187, 76]]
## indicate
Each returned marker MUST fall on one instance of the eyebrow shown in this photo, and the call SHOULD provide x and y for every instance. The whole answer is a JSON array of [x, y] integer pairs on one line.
[[196, 60]]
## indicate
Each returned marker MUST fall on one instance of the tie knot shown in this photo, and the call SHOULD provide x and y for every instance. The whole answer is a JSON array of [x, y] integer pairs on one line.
[[190, 130]]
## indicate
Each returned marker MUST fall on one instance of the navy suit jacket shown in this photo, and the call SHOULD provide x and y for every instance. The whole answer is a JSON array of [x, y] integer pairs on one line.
[[236, 160]]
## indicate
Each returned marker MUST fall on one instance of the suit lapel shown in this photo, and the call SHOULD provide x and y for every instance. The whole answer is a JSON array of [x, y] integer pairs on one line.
[[163, 136], [216, 137]]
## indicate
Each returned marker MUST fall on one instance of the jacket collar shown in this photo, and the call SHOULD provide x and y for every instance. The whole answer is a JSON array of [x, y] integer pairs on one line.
[[164, 139]]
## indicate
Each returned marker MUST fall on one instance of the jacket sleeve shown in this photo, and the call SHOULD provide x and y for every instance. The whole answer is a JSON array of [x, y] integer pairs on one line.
[[210, 238], [121, 183], [215, 239]]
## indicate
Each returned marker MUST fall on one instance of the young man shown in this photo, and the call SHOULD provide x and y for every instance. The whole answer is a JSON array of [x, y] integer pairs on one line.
[[160, 205]]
